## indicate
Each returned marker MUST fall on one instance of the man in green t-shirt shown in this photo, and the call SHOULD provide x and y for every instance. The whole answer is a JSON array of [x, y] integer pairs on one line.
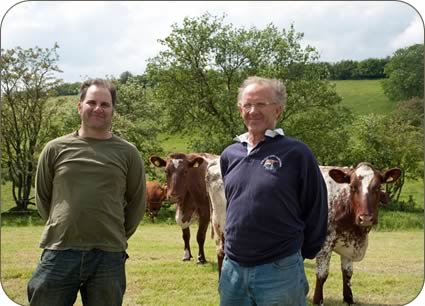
[[91, 191]]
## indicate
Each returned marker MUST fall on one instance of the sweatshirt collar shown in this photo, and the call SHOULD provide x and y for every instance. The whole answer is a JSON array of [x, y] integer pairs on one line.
[[270, 133]]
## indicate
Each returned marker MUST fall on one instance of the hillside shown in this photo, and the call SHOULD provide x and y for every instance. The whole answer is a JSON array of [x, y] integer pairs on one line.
[[364, 96]]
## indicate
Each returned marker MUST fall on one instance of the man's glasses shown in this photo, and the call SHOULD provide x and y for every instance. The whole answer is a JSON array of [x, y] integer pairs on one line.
[[261, 105]]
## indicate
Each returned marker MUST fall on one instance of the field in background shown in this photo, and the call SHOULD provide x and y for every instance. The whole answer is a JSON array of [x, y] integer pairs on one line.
[[364, 96], [392, 272]]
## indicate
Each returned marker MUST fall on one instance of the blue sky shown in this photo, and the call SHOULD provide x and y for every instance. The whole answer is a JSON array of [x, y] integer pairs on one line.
[[99, 39]]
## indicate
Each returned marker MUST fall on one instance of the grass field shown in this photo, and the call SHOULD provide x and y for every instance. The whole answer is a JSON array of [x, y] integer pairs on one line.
[[364, 96], [392, 272]]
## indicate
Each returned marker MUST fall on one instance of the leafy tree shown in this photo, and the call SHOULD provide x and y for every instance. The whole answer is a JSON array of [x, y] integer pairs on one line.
[[405, 72], [137, 118], [371, 68], [68, 89], [387, 141], [411, 111], [204, 62], [344, 70], [27, 80], [125, 76]]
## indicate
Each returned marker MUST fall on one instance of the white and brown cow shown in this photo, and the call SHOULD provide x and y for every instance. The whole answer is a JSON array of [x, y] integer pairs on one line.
[[215, 190], [353, 201], [186, 187]]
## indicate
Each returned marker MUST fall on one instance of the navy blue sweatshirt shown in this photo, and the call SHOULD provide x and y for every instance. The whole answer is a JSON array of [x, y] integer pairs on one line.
[[276, 201]]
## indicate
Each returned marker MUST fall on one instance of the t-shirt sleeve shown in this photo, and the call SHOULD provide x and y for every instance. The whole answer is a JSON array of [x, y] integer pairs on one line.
[[135, 193]]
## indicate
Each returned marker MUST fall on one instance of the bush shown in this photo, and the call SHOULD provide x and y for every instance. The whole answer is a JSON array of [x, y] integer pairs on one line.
[[405, 206]]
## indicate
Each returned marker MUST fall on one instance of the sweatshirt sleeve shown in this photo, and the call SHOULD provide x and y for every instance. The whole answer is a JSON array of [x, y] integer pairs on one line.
[[44, 181], [135, 194], [314, 203]]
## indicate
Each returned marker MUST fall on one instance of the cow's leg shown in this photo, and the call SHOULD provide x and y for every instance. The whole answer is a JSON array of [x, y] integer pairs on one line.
[[220, 254], [322, 270], [347, 273], [186, 238], [200, 238]]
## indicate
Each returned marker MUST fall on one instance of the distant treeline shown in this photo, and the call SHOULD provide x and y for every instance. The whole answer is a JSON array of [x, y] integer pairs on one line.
[[372, 68], [368, 69]]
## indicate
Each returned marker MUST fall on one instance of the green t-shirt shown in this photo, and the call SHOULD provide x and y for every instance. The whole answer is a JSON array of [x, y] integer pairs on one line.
[[91, 192]]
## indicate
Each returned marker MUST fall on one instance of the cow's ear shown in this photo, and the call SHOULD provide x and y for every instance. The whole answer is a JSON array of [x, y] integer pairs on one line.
[[157, 161], [339, 176], [196, 162], [391, 175]]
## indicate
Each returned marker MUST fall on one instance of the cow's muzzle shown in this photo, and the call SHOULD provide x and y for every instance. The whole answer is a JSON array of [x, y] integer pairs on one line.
[[365, 220]]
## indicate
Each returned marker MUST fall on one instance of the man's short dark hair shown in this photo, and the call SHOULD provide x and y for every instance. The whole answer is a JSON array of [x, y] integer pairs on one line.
[[101, 83]]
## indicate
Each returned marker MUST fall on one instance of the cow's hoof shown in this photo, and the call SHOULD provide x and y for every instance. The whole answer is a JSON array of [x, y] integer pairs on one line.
[[201, 261], [186, 258], [349, 302]]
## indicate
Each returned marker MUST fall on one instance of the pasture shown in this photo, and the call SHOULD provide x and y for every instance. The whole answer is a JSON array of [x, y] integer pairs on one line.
[[392, 272], [364, 96]]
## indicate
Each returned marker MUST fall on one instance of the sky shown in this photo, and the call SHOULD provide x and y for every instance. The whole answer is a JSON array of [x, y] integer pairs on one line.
[[102, 38], [99, 39]]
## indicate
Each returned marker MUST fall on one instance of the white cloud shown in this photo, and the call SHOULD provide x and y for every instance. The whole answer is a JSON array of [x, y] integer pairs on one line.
[[99, 38], [413, 34]]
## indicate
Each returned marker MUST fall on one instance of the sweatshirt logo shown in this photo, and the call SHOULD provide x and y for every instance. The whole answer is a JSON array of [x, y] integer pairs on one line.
[[271, 163]]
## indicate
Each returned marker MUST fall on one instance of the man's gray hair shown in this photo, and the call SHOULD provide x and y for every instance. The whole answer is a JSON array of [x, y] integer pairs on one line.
[[276, 85]]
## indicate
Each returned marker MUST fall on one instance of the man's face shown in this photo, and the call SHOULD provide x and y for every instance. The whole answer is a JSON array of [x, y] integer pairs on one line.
[[96, 109], [258, 108]]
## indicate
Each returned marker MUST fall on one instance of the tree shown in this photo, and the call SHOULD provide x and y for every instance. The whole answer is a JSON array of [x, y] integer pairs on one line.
[[387, 141], [125, 76], [68, 89], [204, 62], [411, 111], [344, 70], [371, 68], [27, 80], [405, 72], [137, 118]]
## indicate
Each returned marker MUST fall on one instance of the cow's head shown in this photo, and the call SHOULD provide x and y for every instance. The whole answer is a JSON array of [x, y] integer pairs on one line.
[[365, 190], [177, 166]]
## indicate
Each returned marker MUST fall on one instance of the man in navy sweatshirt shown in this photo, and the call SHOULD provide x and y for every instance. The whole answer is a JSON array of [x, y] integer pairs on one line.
[[276, 205]]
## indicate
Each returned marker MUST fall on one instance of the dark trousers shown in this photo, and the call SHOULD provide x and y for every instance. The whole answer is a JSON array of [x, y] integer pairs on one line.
[[98, 275]]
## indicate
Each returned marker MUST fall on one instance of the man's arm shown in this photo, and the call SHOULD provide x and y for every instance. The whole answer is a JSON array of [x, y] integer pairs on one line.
[[135, 194], [314, 203], [44, 182]]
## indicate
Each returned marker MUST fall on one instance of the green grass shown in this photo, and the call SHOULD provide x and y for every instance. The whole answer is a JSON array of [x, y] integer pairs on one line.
[[174, 143], [414, 188], [391, 273], [364, 96]]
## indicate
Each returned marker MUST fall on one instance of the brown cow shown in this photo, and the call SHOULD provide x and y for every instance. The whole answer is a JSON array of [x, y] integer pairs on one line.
[[155, 195], [353, 202], [186, 186]]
